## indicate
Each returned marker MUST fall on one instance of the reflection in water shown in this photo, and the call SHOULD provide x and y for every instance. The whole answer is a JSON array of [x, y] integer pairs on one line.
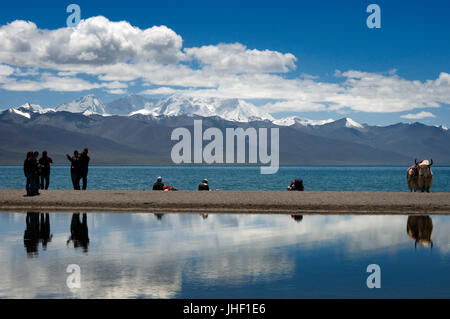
[[204, 216], [238, 255], [419, 228], [36, 231], [79, 233], [159, 216], [44, 232]]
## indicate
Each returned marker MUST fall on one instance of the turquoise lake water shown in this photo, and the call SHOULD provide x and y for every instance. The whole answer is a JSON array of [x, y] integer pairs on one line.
[[316, 178], [223, 256]]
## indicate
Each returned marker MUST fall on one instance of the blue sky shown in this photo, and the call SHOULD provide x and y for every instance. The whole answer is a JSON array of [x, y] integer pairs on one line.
[[326, 41]]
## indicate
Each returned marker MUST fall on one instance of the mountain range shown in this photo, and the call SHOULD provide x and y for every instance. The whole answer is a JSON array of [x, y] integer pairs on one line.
[[137, 130]]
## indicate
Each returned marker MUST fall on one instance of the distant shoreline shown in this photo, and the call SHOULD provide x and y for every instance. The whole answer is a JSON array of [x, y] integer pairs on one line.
[[236, 202], [224, 165]]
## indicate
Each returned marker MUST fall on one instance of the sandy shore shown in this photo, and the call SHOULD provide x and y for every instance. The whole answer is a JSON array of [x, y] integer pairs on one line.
[[277, 202]]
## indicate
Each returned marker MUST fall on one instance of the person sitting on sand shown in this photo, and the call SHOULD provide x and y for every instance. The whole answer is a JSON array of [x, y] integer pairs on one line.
[[203, 185], [296, 185], [159, 185]]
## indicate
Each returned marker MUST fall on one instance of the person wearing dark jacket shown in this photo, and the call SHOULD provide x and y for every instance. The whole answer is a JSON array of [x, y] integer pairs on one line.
[[84, 166], [37, 169], [75, 169], [159, 185], [44, 163], [29, 170], [204, 185]]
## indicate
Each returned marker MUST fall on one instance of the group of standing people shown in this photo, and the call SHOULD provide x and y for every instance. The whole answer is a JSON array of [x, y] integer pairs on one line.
[[79, 168], [37, 172]]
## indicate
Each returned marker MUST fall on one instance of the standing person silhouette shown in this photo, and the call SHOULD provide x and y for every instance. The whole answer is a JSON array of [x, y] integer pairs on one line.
[[75, 169], [37, 170], [28, 170], [84, 166], [45, 162]]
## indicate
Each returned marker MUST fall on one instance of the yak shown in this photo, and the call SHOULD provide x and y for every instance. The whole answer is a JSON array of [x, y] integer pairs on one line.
[[420, 176]]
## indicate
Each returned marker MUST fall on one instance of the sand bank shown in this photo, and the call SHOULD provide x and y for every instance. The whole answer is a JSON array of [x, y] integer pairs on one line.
[[268, 202]]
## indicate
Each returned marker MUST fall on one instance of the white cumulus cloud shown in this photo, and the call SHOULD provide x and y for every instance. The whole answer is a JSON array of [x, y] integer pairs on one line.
[[236, 58], [418, 116], [108, 55], [95, 41]]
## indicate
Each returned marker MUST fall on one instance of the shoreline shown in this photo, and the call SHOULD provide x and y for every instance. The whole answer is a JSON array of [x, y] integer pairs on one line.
[[235, 202], [63, 164]]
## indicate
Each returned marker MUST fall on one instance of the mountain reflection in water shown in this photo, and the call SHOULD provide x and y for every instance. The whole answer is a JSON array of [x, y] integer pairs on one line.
[[223, 256]]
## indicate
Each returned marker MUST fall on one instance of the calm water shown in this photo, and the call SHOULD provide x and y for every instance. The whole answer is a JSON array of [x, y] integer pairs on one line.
[[223, 256], [234, 178]]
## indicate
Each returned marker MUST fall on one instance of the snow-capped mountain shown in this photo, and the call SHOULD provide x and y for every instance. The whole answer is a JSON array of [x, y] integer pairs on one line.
[[129, 104], [235, 110], [28, 109], [87, 105], [345, 123], [135, 138], [352, 124], [229, 109], [33, 108], [442, 127], [291, 120]]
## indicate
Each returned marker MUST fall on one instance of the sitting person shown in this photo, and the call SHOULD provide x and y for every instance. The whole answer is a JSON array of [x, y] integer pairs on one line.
[[158, 186], [204, 185], [296, 185]]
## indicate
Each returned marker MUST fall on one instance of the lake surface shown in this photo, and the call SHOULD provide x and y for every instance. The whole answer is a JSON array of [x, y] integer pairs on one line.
[[316, 178], [223, 256]]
